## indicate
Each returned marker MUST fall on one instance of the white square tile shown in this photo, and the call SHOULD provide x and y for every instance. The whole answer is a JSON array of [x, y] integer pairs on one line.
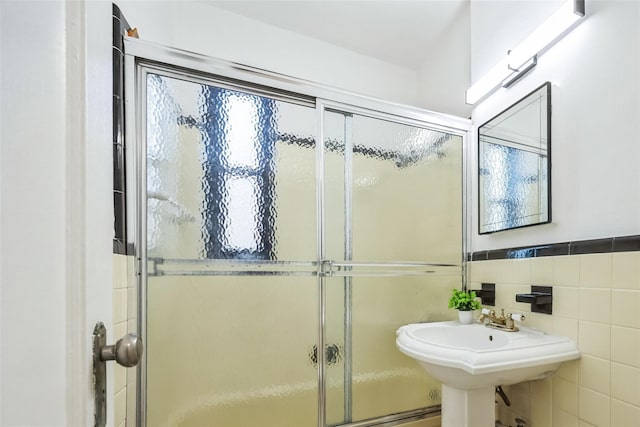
[[625, 346], [119, 378], [625, 308], [119, 330], [132, 303], [541, 402], [568, 371], [594, 339], [624, 415], [594, 407], [542, 271], [119, 271], [521, 271], [565, 395], [625, 383], [565, 327], [626, 270], [595, 270], [120, 407], [566, 270], [120, 305], [539, 321], [595, 305], [562, 418], [566, 302], [595, 373]]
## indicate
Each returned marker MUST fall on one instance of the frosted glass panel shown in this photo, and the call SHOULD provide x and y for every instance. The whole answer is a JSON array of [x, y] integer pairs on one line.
[[231, 178], [407, 193], [383, 380], [334, 184], [380, 306], [392, 194], [399, 186], [232, 351], [230, 175]]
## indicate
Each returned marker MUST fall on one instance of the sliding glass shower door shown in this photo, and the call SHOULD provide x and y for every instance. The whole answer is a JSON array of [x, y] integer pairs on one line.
[[231, 301], [393, 233], [275, 225]]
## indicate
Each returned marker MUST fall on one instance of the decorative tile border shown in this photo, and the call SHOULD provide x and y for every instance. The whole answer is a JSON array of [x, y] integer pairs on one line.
[[579, 247]]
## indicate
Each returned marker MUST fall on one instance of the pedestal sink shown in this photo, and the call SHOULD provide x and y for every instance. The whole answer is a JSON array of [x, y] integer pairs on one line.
[[471, 360]]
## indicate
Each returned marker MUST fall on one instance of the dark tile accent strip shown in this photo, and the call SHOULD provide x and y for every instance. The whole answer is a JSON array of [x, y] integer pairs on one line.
[[497, 254], [521, 253], [626, 244], [479, 256], [591, 246], [579, 247], [118, 172], [553, 250], [119, 247]]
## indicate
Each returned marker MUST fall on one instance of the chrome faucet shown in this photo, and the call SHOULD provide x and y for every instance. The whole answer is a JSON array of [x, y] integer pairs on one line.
[[502, 322]]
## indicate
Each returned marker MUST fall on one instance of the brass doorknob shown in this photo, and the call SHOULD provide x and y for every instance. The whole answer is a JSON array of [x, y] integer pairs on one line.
[[127, 351]]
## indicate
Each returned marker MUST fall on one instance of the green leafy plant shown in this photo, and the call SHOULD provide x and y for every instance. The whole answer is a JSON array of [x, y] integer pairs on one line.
[[463, 301]]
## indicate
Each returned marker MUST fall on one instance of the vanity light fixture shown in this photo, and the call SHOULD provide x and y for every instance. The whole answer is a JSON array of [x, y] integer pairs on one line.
[[524, 57]]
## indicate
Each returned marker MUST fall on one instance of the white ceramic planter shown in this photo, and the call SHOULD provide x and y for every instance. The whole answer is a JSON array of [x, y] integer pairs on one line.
[[465, 317]]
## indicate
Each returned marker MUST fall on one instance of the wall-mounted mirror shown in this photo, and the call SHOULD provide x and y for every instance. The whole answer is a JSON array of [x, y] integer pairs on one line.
[[514, 165]]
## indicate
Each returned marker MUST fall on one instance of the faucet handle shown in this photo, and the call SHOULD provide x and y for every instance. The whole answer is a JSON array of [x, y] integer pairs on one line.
[[484, 314], [516, 316]]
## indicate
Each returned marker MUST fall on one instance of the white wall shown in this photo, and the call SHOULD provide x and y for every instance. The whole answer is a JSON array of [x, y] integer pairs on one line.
[[445, 74], [595, 73], [56, 207], [205, 29]]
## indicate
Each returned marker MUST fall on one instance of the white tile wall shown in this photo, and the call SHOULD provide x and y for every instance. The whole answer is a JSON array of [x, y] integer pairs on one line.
[[121, 283], [597, 304]]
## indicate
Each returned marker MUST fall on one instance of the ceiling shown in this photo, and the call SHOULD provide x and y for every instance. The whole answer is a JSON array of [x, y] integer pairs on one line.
[[397, 31]]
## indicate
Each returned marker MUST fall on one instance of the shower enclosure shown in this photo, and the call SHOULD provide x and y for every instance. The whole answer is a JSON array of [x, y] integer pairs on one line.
[[273, 223]]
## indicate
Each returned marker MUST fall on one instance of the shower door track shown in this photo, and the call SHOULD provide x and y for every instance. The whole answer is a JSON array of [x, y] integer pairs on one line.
[[140, 55]]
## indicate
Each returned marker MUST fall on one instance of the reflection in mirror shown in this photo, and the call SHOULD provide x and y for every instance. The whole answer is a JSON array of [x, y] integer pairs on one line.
[[514, 165]]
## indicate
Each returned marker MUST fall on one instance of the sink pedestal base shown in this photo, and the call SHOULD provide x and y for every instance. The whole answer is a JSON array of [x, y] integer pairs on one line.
[[468, 408]]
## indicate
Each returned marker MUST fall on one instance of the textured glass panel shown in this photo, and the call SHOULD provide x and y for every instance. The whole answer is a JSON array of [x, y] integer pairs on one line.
[[230, 175], [337, 331], [407, 193], [334, 184], [232, 351], [393, 204], [402, 192], [384, 381]]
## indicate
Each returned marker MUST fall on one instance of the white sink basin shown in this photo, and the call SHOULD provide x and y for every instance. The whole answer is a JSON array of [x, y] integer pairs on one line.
[[468, 357]]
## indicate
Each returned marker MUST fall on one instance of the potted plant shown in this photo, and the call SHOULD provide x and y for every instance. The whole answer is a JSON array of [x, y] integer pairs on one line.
[[465, 302]]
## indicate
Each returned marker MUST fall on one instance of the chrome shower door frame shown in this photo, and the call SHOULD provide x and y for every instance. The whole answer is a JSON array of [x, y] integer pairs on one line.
[[143, 57]]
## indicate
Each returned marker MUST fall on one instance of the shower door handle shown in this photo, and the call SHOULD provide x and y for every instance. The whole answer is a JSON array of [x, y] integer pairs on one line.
[[127, 351]]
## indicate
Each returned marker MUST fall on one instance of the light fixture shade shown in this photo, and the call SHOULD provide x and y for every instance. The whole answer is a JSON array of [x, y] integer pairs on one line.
[[554, 28], [524, 56], [488, 82]]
